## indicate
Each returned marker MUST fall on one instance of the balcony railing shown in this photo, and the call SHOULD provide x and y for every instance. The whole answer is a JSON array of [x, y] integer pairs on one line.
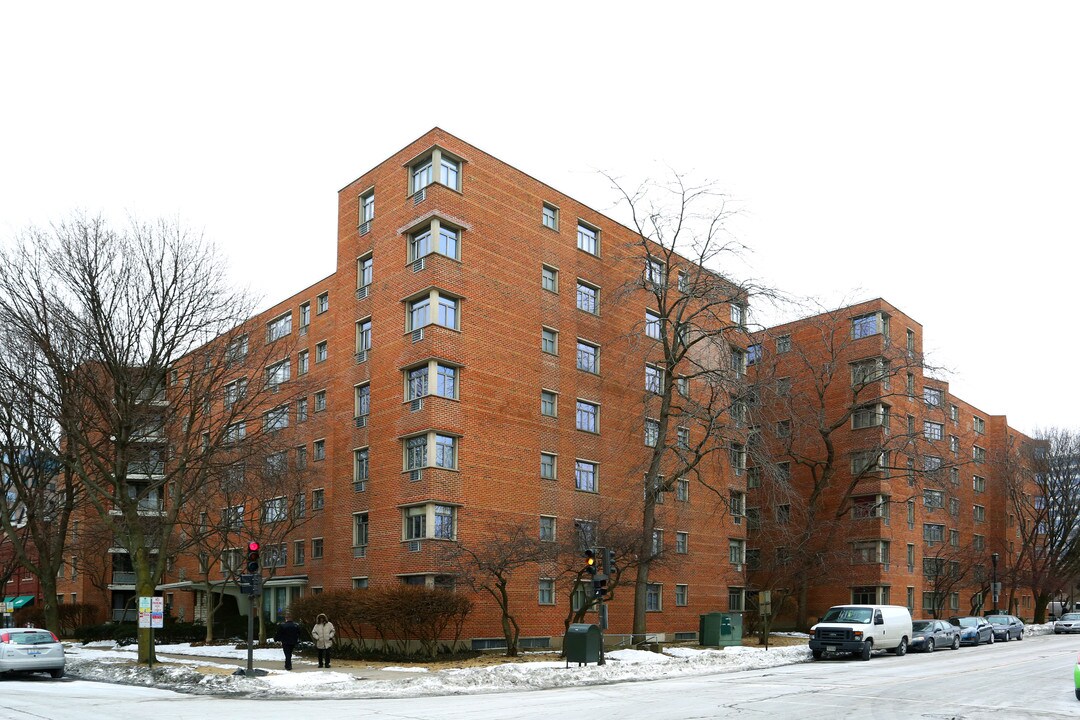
[[123, 577]]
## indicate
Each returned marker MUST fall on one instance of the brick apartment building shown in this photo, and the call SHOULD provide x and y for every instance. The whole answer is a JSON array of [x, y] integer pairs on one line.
[[913, 504], [467, 363]]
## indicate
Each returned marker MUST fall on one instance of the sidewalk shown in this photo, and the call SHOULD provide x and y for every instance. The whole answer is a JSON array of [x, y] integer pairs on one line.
[[357, 668]]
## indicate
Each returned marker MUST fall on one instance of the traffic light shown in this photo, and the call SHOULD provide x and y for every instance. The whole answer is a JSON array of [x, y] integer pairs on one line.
[[590, 562], [253, 557], [609, 561], [599, 585]]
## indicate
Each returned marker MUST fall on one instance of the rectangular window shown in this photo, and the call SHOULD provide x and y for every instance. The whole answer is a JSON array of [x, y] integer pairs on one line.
[[588, 357], [549, 215], [322, 303], [318, 499], [360, 529], [320, 401], [866, 325], [446, 381], [305, 315], [868, 371], [652, 324], [753, 354], [653, 597], [549, 403], [549, 341], [237, 350], [449, 172], [316, 548], [234, 392], [588, 298], [320, 352], [546, 592], [235, 432], [367, 207], [360, 467], [783, 344], [319, 450], [547, 528], [933, 430], [737, 551], [652, 432], [415, 523], [588, 416], [448, 312], [954, 445], [448, 242], [875, 415], [681, 592], [363, 336], [585, 476], [549, 279], [654, 380], [547, 466], [279, 327], [278, 373], [684, 282], [978, 454], [416, 383], [738, 361], [655, 273], [588, 239], [444, 522], [364, 267], [682, 542], [445, 451], [683, 437], [933, 499], [738, 314], [302, 410], [682, 490], [980, 513], [978, 484], [419, 313], [954, 507], [932, 397], [979, 543], [298, 552], [303, 362], [362, 401], [416, 452], [979, 425], [421, 175], [274, 509], [954, 413], [301, 457], [277, 418], [933, 533]]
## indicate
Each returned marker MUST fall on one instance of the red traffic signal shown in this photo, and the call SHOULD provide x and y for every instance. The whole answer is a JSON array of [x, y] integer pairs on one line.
[[253, 557]]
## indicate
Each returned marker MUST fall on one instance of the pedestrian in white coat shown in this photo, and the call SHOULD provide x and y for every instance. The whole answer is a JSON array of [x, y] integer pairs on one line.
[[323, 634]]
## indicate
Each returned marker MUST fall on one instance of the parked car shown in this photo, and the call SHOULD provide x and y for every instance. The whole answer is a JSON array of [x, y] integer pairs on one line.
[[1067, 623], [974, 630], [861, 629], [1006, 627], [31, 650], [928, 635]]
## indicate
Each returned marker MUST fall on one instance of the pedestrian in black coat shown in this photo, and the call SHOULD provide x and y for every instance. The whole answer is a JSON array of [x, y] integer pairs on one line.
[[288, 634]]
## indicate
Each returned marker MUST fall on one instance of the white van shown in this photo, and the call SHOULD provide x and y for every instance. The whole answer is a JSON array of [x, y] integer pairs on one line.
[[861, 629]]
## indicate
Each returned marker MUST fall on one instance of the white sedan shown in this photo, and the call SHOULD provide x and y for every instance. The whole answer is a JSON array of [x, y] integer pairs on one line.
[[1067, 623], [31, 650]]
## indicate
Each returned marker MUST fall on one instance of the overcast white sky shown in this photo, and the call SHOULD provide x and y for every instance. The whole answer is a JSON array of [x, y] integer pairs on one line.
[[924, 152]]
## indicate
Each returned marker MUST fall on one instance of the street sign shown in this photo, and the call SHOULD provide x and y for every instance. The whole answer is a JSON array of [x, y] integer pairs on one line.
[[151, 612]]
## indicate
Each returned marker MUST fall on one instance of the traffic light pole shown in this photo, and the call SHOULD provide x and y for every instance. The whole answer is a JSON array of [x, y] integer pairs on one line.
[[251, 635]]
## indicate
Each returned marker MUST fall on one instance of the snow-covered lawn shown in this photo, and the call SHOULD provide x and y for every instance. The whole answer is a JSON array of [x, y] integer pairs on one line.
[[108, 663]]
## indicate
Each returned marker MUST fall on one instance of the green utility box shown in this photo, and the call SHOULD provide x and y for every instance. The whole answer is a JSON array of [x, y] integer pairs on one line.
[[717, 629], [581, 644]]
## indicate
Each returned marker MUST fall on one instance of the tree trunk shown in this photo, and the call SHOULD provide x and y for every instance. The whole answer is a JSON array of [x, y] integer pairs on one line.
[[641, 581], [52, 610]]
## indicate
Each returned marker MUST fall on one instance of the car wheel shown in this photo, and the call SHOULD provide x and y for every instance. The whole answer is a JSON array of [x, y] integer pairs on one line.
[[57, 674], [929, 644], [901, 649], [866, 649], [956, 642], [1008, 635], [1020, 635], [1078, 693], [991, 640], [977, 640], [817, 654]]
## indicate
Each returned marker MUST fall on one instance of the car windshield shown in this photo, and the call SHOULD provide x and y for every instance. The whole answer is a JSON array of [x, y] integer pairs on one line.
[[998, 620], [968, 622], [1071, 616], [919, 625], [848, 614]]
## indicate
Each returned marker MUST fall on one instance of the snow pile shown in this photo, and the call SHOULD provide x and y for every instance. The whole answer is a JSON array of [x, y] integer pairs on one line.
[[111, 664]]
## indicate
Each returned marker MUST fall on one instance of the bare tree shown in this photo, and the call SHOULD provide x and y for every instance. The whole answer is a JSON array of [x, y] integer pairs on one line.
[[808, 398], [693, 347], [140, 331], [946, 569], [489, 562], [1043, 501]]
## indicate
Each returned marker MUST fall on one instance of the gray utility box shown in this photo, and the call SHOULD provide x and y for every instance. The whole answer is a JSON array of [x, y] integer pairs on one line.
[[581, 644], [717, 629]]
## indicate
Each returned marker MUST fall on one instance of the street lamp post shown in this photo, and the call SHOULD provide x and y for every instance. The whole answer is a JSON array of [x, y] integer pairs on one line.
[[995, 589]]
